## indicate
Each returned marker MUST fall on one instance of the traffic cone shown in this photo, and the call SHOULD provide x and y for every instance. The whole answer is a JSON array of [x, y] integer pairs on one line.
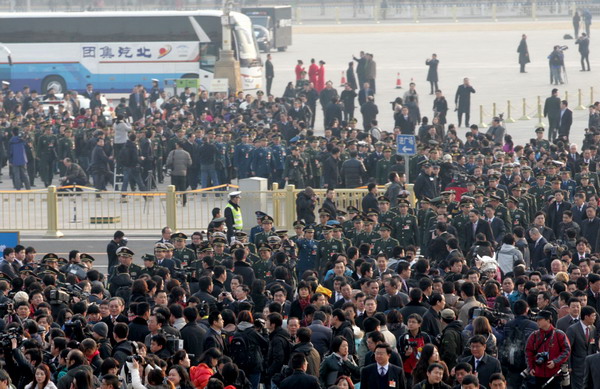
[[398, 81], [343, 82]]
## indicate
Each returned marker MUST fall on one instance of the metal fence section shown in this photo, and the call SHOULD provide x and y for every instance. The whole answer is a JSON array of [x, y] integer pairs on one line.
[[83, 209], [327, 11]]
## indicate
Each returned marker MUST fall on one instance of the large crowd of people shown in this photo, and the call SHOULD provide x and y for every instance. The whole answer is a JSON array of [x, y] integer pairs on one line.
[[490, 279]]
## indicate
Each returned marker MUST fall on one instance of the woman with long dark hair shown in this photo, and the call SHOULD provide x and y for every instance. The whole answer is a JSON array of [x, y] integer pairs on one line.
[[42, 378], [179, 377]]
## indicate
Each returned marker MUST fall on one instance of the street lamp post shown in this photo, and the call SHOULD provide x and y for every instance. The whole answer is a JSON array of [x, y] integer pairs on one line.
[[227, 66]]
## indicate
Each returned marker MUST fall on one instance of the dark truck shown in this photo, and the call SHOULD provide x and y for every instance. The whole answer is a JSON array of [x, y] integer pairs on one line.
[[272, 26]]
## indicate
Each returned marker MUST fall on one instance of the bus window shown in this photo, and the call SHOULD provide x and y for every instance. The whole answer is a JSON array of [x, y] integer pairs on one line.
[[209, 53]]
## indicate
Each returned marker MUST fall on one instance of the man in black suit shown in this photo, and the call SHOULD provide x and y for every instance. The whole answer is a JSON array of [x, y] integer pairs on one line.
[[567, 321], [213, 337], [593, 293], [536, 248], [403, 121], [269, 73], [556, 209], [299, 378], [591, 377], [370, 200], [582, 337], [590, 227], [552, 111], [496, 224], [483, 364], [382, 374], [475, 226], [565, 121], [115, 307], [192, 334]]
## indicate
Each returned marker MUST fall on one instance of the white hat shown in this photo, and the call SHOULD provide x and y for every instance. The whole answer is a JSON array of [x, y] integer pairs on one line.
[[235, 194], [5, 83], [155, 80]]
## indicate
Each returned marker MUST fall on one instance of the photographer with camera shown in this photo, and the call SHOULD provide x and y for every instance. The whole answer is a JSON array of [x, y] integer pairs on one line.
[[556, 61], [547, 350]]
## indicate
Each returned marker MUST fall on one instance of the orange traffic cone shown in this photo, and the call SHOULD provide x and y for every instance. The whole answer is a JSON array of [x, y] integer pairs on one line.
[[343, 82], [398, 81]]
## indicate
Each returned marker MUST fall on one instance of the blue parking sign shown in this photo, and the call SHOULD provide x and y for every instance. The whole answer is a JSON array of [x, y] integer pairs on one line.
[[406, 144]]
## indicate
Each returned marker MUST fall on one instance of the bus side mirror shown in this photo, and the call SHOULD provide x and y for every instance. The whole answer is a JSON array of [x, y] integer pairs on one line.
[[9, 60]]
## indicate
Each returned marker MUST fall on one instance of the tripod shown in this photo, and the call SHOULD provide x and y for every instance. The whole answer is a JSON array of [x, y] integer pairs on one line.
[[150, 183]]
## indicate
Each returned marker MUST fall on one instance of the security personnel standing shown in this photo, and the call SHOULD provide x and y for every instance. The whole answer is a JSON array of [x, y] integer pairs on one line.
[[383, 167], [158, 148], [242, 156], [406, 226], [150, 265], [263, 237], [233, 214], [426, 184], [307, 251], [294, 171], [423, 215], [182, 255], [261, 161], [299, 228], [459, 221], [65, 149], [385, 244], [325, 248], [348, 225], [385, 214], [46, 146], [338, 235], [518, 217], [368, 235], [501, 212]]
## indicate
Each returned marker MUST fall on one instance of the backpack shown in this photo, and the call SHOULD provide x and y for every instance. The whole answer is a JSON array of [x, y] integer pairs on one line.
[[244, 353], [512, 352]]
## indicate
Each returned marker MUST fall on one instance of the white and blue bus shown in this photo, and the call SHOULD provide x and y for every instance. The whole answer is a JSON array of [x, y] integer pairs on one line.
[[116, 50]]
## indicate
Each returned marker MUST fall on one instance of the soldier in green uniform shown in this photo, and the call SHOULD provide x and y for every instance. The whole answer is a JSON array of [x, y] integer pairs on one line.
[[219, 245], [326, 247], [540, 142], [294, 170], [339, 235], [348, 225], [423, 215], [357, 221], [312, 154], [263, 236], [501, 212], [522, 203], [551, 171], [540, 191], [449, 197], [262, 267], [459, 221], [158, 148], [50, 265], [324, 217], [518, 216], [368, 235], [385, 214], [46, 148], [406, 226], [65, 149], [479, 203], [382, 169], [585, 169], [586, 187], [493, 182], [385, 244], [182, 255], [125, 257]]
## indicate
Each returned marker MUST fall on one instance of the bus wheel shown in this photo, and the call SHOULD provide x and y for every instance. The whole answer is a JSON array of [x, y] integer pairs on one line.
[[54, 82], [282, 48], [190, 75]]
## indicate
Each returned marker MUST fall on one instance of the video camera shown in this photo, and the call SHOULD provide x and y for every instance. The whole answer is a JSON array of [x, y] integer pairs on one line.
[[64, 293], [11, 333], [6, 309], [494, 316]]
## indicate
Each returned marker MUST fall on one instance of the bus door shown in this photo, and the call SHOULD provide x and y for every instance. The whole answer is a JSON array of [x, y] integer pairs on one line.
[[209, 53]]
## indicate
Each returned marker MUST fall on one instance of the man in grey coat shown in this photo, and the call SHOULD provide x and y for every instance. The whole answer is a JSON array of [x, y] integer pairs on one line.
[[179, 161]]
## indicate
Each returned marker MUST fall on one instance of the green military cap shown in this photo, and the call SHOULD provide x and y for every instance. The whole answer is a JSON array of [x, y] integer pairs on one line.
[[556, 180], [125, 252], [372, 212], [293, 148], [512, 199], [526, 167], [219, 241], [466, 200], [178, 236], [240, 234], [339, 212], [324, 212], [50, 257], [299, 224], [170, 246], [387, 150], [352, 209], [493, 177], [88, 258], [236, 245], [515, 187], [207, 247], [309, 228], [478, 193], [448, 192], [383, 199], [385, 226], [281, 233], [357, 219], [495, 197], [425, 163], [585, 176], [267, 219], [406, 203], [539, 129], [327, 228], [264, 246], [27, 271], [148, 257], [425, 200], [541, 175]]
